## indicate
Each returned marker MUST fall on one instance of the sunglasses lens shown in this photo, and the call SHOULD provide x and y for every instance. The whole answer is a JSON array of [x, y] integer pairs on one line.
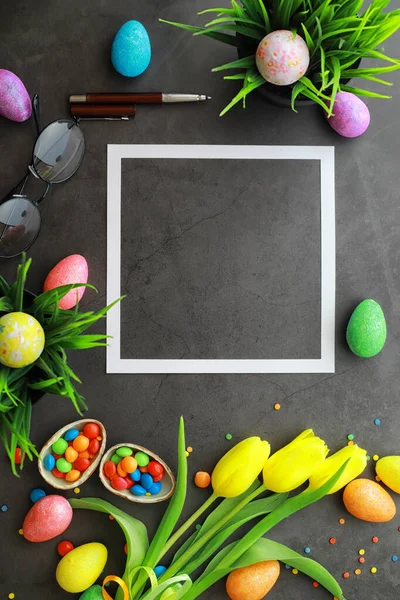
[[19, 226], [58, 151]]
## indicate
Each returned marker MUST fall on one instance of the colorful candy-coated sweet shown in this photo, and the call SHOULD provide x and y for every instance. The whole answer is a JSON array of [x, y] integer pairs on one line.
[[94, 446], [109, 469], [58, 473], [119, 483], [37, 494], [47, 518], [202, 479], [159, 570], [124, 451], [116, 459], [71, 454], [81, 443], [146, 481], [63, 465], [71, 434], [128, 464], [84, 454], [91, 430], [143, 469], [252, 582], [138, 490], [142, 459], [80, 568], [157, 478], [57, 456], [59, 447], [121, 472], [73, 475], [93, 593], [81, 464], [136, 475], [49, 462], [64, 547], [18, 456], [155, 468], [15, 103], [72, 269], [155, 488]]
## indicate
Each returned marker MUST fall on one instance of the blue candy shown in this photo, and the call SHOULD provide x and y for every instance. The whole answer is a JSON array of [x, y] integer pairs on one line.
[[71, 434], [138, 490], [159, 570], [136, 475], [155, 488], [146, 481], [131, 49], [37, 494], [49, 462]]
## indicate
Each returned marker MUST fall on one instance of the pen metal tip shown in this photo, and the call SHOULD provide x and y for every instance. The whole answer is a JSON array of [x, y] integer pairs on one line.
[[208, 97]]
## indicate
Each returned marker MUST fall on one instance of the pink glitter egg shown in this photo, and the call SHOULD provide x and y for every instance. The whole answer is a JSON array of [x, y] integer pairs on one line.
[[282, 57], [15, 103], [47, 518], [72, 269], [351, 116]]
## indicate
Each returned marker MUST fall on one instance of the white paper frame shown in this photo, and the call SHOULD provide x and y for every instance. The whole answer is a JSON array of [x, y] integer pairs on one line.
[[325, 154]]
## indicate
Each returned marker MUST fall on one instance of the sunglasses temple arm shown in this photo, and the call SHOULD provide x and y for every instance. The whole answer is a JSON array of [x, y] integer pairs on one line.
[[36, 113]]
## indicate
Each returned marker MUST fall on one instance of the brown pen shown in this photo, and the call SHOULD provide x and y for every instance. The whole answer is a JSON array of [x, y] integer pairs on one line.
[[102, 110], [135, 98]]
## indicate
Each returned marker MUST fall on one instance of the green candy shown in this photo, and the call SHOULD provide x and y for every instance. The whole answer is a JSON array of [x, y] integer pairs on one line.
[[116, 459], [366, 330], [142, 459], [60, 446], [63, 465], [124, 451], [92, 593]]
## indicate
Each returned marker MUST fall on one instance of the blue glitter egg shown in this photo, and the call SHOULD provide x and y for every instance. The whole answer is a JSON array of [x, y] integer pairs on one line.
[[131, 49]]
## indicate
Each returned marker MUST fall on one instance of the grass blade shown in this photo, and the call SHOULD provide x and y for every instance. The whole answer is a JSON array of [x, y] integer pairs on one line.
[[220, 37], [244, 63]]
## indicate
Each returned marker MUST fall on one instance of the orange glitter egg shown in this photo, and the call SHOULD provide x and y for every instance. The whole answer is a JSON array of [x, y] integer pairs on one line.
[[252, 582], [368, 501]]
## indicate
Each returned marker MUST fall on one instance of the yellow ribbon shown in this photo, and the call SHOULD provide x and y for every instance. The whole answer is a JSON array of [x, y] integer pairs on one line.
[[120, 582]]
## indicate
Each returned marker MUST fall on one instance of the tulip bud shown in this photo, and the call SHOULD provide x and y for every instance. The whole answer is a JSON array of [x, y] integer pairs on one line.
[[388, 470], [357, 458]]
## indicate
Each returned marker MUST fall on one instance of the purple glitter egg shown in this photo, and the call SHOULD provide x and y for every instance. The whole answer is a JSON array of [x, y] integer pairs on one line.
[[15, 103], [350, 115]]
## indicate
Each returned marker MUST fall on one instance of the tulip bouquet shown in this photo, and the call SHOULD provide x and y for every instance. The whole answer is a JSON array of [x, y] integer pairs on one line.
[[242, 498]]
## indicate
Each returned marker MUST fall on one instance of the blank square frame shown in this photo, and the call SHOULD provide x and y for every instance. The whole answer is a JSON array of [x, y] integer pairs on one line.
[[324, 154]]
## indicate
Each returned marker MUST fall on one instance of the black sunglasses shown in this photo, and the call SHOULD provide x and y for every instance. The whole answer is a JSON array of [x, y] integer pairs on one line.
[[57, 155]]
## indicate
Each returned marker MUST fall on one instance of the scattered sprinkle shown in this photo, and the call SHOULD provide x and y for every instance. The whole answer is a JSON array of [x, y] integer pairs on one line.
[[189, 449], [77, 490], [350, 437], [295, 571], [350, 443], [395, 558], [277, 406], [111, 517], [377, 478], [342, 521], [198, 526], [374, 570], [368, 457], [375, 540], [361, 552], [361, 560], [315, 584], [332, 540], [126, 548], [377, 421], [375, 457], [187, 453], [21, 531], [346, 575], [357, 572], [228, 436], [4, 508], [398, 529], [307, 550], [11, 595], [287, 566]]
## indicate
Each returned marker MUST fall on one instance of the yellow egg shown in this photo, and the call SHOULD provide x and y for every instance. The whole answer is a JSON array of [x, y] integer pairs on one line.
[[368, 501], [388, 470], [252, 582], [21, 340], [80, 568]]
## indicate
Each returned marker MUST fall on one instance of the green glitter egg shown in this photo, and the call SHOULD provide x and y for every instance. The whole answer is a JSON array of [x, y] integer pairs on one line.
[[93, 593], [366, 330]]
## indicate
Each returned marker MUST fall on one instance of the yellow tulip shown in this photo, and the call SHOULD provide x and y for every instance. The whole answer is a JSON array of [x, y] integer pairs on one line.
[[388, 470], [354, 468], [292, 465], [238, 468]]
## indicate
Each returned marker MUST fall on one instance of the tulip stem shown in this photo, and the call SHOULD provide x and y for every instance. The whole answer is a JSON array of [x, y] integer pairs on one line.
[[197, 545]]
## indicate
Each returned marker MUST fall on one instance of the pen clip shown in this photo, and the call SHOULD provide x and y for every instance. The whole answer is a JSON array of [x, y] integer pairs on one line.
[[103, 119]]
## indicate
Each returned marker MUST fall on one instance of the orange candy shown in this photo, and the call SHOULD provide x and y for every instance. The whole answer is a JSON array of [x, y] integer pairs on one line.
[[84, 454], [81, 443], [73, 475], [71, 454], [252, 582], [202, 479], [120, 470], [128, 464]]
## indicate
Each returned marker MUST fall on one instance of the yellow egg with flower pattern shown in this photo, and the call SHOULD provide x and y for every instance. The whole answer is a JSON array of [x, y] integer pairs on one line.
[[21, 340]]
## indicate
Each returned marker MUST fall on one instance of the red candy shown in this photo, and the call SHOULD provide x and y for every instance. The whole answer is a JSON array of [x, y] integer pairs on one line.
[[110, 469], [155, 468], [91, 430], [57, 456], [119, 483], [58, 473], [18, 456], [94, 446], [157, 478], [64, 547], [81, 464]]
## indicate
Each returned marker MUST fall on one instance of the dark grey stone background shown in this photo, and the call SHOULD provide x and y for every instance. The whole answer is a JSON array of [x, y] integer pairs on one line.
[[58, 48]]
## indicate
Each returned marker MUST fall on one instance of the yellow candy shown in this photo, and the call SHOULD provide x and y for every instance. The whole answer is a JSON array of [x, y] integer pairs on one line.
[[80, 568], [388, 470], [21, 340]]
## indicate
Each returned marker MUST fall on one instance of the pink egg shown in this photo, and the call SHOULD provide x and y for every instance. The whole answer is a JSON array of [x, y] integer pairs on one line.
[[350, 115], [15, 103], [72, 269], [282, 57], [47, 518]]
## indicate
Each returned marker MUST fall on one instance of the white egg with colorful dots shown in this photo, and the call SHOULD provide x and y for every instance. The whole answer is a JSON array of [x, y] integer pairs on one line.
[[282, 57], [21, 340]]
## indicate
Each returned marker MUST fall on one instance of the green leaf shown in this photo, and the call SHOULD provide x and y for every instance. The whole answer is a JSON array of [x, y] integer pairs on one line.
[[309, 40], [297, 89], [361, 92], [350, 73], [185, 546], [246, 62], [244, 92], [251, 10], [262, 11], [336, 82], [236, 76], [236, 20], [247, 31], [220, 37]]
